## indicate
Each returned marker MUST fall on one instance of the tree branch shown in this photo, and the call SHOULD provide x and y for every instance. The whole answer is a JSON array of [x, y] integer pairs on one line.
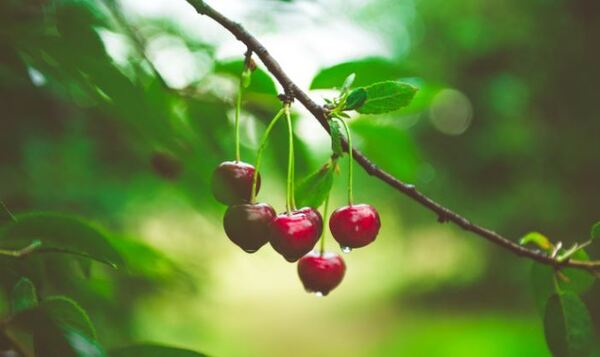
[[320, 113]]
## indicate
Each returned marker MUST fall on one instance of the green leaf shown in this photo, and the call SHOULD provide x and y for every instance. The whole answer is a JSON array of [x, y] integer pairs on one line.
[[336, 138], [23, 296], [65, 342], [356, 99], [66, 313], [261, 81], [538, 239], [5, 215], [60, 233], [545, 278], [313, 190], [387, 96], [576, 280], [380, 138], [542, 281], [348, 83], [568, 326], [60, 327], [149, 350], [368, 70], [595, 230]]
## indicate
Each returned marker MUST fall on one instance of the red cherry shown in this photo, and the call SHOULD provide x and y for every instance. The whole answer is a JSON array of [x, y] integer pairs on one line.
[[293, 234], [232, 182], [354, 226], [247, 225], [314, 216], [321, 273]]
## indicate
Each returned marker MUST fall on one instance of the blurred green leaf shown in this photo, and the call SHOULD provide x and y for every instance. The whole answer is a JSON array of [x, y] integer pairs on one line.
[[576, 280], [60, 233], [545, 280], [356, 99], [538, 239], [22, 296], [138, 254], [595, 230], [368, 70], [387, 96], [261, 81], [149, 350], [568, 326], [313, 189], [542, 281], [380, 138], [60, 327], [65, 342], [61, 310]]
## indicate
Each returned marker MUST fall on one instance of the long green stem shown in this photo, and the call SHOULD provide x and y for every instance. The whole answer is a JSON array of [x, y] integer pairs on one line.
[[325, 213], [290, 175], [293, 180], [238, 109], [350, 161], [259, 155]]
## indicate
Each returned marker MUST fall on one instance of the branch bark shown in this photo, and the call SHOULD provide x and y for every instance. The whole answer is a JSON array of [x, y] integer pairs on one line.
[[320, 113]]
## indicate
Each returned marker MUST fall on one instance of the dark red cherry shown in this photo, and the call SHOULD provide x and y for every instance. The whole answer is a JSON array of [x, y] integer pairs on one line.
[[166, 165], [321, 273], [293, 234], [247, 225], [314, 216], [232, 182], [354, 226]]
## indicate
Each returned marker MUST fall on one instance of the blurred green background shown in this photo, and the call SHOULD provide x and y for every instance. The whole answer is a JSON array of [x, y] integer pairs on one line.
[[503, 130]]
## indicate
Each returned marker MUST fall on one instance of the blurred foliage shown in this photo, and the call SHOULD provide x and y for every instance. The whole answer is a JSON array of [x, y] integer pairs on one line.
[[502, 129]]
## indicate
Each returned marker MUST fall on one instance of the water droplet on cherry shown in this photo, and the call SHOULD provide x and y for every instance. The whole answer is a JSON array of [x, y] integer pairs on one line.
[[346, 250]]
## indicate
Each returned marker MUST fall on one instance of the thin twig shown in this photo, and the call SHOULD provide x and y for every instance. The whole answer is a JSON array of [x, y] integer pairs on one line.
[[321, 114], [17, 346], [22, 252]]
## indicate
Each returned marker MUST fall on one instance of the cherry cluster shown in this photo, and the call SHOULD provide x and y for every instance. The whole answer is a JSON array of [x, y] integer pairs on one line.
[[292, 234], [295, 232]]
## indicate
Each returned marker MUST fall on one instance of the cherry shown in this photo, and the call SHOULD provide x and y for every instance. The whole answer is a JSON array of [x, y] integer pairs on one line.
[[314, 216], [354, 226], [321, 273], [294, 234], [247, 225], [232, 182]]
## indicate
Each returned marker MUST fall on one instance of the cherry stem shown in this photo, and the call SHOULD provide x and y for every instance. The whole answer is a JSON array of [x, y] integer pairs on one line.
[[325, 212], [259, 154], [350, 173], [293, 181], [290, 201], [238, 109]]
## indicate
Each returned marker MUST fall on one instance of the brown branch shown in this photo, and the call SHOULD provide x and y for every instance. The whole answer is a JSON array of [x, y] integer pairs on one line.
[[444, 214]]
